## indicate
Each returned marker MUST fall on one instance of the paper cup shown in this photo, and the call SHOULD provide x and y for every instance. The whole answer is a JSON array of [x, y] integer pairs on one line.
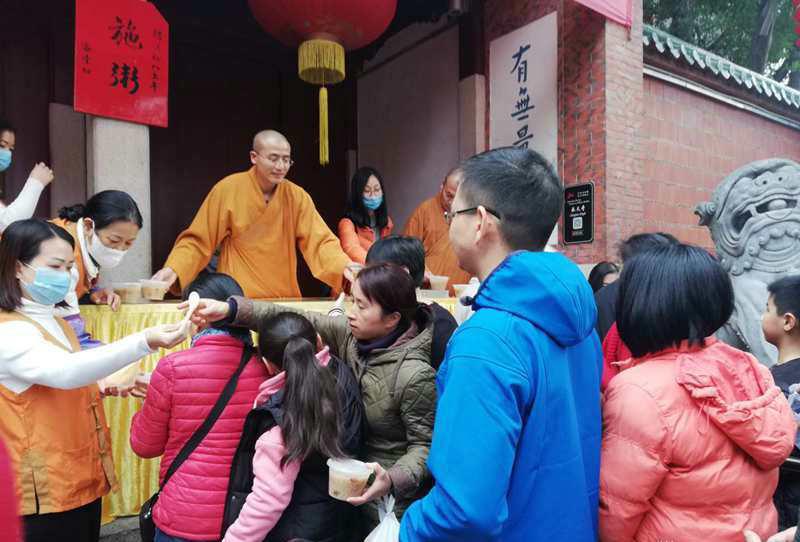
[[347, 478]]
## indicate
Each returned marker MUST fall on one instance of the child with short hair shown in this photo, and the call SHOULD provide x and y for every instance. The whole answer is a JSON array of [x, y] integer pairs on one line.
[[781, 325]]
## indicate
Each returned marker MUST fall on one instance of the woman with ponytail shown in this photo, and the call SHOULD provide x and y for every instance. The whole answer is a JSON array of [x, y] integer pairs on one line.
[[104, 229], [308, 411]]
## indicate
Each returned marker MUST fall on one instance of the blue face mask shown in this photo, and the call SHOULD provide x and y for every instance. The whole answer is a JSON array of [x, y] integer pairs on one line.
[[49, 286], [372, 203], [5, 159]]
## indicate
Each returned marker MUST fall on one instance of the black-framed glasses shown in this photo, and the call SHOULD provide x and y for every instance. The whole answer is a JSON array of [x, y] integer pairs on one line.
[[450, 215]]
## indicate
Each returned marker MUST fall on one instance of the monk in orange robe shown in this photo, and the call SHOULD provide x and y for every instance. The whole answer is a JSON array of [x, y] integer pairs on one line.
[[258, 219], [427, 223]]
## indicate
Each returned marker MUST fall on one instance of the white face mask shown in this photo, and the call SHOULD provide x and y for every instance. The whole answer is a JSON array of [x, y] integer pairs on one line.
[[103, 255]]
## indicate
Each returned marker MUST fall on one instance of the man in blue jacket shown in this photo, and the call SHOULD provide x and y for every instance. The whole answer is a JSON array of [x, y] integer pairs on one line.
[[516, 445]]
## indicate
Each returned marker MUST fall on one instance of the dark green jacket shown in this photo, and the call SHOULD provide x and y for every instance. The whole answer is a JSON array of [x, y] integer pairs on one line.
[[397, 385]]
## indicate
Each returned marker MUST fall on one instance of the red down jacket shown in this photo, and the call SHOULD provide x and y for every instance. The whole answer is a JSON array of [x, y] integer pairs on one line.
[[692, 441], [183, 389]]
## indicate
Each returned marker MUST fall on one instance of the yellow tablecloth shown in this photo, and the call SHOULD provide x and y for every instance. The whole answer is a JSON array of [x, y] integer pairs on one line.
[[139, 477]]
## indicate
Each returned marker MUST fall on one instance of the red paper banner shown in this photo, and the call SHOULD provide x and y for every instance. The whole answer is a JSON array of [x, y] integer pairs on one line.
[[121, 60], [616, 10]]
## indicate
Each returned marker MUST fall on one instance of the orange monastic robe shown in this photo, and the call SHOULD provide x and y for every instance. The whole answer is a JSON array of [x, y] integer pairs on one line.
[[428, 224], [258, 241]]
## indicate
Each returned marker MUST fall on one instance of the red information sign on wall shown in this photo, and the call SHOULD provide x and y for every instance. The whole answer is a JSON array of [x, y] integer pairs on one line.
[[121, 60]]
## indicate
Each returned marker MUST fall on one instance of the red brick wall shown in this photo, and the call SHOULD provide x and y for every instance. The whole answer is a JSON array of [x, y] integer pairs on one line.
[[582, 57], [691, 143], [653, 149], [624, 139]]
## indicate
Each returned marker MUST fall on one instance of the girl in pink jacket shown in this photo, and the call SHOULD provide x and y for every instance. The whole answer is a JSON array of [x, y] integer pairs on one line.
[[308, 411], [693, 429], [183, 389]]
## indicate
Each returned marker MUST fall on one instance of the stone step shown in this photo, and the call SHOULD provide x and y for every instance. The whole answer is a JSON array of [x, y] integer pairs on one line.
[[121, 530]]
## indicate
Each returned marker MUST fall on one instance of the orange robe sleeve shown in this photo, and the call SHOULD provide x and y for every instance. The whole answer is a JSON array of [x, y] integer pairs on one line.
[[351, 244], [414, 226], [428, 224], [196, 244], [320, 248]]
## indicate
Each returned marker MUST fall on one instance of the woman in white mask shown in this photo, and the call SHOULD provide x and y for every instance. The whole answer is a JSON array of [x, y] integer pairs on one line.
[[51, 416], [103, 229]]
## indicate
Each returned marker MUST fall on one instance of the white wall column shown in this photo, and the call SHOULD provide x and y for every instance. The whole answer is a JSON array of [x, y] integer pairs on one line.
[[471, 116], [118, 158]]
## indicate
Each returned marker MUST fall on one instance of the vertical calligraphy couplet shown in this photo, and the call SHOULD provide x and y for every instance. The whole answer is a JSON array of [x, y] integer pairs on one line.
[[523, 89]]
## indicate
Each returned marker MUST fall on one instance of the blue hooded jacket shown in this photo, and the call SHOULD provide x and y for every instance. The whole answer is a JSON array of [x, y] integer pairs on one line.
[[516, 445]]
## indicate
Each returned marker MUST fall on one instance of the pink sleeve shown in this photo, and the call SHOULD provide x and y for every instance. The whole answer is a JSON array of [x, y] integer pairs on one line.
[[272, 491], [150, 426], [634, 448]]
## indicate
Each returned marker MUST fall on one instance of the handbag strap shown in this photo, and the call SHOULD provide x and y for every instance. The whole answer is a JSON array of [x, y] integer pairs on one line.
[[209, 422]]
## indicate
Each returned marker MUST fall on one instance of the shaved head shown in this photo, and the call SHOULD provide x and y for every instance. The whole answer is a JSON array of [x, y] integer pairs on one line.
[[272, 157], [450, 186], [453, 178], [266, 138]]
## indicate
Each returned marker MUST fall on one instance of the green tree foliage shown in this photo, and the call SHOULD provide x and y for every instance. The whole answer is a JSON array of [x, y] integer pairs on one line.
[[758, 34]]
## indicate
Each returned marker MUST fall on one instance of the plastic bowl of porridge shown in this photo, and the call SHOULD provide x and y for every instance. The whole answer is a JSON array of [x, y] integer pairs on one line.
[[124, 378], [347, 478], [439, 282], [154, 290], [129, 292]]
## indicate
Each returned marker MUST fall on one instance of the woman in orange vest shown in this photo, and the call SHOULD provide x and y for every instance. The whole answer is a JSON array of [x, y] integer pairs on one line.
[[51, 415], [367, 218], [103, 230]]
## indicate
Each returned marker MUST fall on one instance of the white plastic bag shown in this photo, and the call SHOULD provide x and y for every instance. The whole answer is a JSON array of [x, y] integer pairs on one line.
[[388, 530]]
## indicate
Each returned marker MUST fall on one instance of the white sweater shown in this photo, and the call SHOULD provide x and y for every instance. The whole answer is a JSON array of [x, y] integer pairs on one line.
[[26, 358], [24, 206]]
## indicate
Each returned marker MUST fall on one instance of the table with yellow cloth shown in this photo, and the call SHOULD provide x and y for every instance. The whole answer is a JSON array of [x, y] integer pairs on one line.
[[138, 478]]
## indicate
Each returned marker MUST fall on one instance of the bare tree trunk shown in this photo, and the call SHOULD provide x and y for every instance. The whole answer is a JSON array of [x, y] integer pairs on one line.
[[762, 37]]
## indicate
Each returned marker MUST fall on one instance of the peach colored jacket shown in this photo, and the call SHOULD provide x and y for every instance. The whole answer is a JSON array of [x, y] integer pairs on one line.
[[692, 441]]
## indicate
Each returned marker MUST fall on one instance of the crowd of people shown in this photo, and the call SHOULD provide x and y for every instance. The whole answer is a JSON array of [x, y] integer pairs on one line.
[[561, 409]]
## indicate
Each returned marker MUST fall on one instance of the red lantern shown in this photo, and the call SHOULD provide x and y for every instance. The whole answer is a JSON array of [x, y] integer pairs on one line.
[[324, 30]]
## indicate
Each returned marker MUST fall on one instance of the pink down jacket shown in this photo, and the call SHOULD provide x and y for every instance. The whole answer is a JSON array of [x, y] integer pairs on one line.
[[183, 389]]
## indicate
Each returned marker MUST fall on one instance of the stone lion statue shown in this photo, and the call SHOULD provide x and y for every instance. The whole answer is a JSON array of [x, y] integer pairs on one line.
[[754, 220]]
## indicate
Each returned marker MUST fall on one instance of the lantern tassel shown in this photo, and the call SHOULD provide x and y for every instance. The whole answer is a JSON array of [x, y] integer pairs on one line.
[[321, 62], [324, 149]]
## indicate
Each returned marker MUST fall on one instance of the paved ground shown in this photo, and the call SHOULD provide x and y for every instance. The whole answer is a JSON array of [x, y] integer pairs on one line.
[[121, 530]]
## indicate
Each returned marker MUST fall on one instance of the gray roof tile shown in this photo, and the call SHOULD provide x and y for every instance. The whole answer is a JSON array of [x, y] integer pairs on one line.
[[668, 45]]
